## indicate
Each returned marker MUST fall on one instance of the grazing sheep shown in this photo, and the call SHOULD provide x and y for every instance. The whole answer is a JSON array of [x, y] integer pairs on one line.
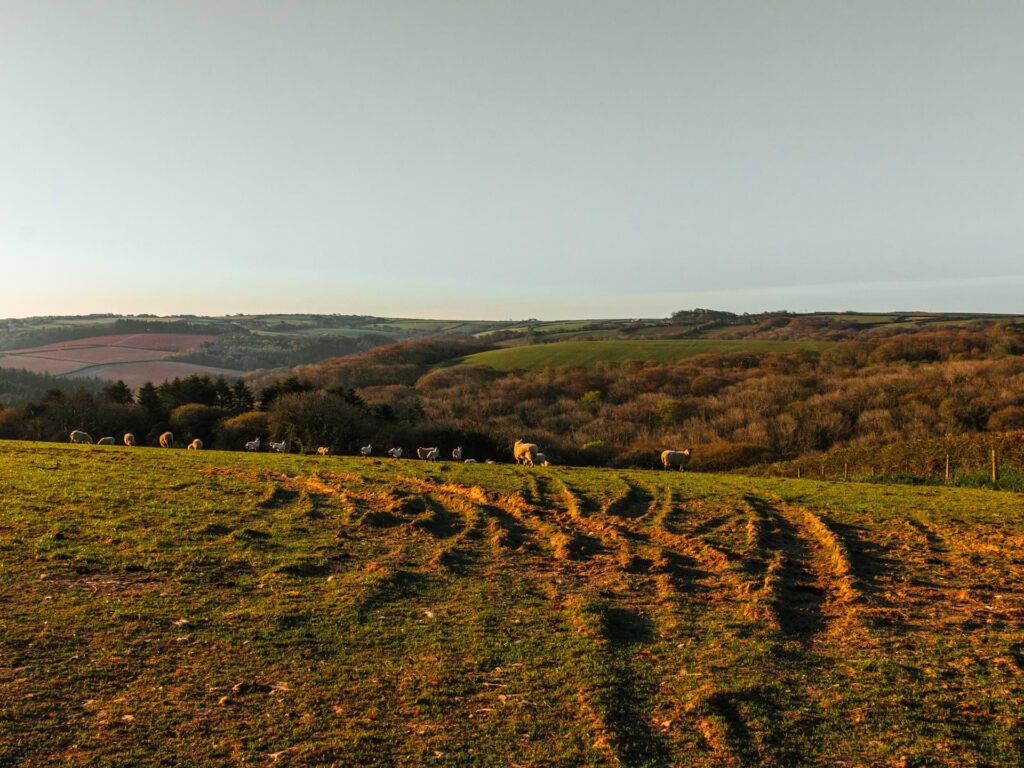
[[469, 461], [367, 450], [195, 445], [129, 439], [78, 436], [525, 453], [253, 445], [491, 461], [105, 441], [167, 440], [679, 459], [457, 454], [541, 459], [428, 454], [279, 447], [323, 450], [395, 453]]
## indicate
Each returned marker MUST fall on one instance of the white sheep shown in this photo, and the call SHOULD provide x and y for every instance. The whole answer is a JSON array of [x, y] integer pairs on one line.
[[78, 436], [525, 453], [195, 445], [469, 461], [679, 459], [167, 440], [457, 454], [105, 441], [129, 439], [541, 459], [279, 447], [367, 450], [323, 450], [395, 453], [428, 454], [253, 445]]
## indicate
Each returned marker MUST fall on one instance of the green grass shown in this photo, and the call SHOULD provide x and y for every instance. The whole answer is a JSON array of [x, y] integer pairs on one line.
[[211, 608], [574, 354]]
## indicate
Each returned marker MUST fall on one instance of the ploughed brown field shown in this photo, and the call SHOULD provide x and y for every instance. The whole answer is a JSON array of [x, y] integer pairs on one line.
[[133, 358]]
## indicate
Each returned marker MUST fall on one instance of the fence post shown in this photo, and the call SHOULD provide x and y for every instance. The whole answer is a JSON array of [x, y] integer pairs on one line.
[[846, 471], [947, 467], [995, 468], [798, 473]]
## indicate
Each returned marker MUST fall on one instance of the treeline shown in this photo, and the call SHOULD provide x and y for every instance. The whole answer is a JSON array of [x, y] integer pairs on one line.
[[245, 351], [736, 409], [20, 386]]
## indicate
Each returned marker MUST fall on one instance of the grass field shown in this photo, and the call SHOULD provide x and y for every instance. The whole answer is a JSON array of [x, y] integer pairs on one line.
[[573, 354], [212, 609]]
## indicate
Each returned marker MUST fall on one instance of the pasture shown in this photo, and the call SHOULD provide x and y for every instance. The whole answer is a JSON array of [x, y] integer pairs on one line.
[[583, 354], [168, 607]]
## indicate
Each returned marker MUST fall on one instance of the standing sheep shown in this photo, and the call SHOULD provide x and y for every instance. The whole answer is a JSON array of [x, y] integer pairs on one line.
[[323, 450], [367, 450], [428, 454], [525, 453], [105, 441], [195, 445], [679, 459], [280, 447], [395, 453], [253, 445], [167, 440], [83, 438], [457, 454], [129, 439]]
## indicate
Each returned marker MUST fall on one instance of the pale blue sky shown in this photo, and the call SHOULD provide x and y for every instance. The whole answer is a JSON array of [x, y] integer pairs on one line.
[[510, 159]]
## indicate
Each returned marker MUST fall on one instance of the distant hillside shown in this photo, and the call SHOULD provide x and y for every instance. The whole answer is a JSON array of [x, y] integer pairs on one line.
[[584, 354]]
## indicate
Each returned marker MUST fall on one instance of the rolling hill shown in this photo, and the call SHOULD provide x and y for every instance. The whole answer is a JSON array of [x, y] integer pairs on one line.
[[170, 607], [134, 358], [583, 354]]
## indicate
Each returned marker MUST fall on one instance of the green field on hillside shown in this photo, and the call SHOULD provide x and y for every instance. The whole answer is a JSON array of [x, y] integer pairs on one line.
[[580, 354], [213, 608]]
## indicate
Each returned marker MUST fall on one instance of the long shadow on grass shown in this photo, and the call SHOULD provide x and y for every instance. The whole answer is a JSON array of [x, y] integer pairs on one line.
[[634, 503], [628, 700], [797, 601]]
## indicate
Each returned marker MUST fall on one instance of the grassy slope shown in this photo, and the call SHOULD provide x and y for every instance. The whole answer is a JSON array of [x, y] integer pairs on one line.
[[584, 353], [165, 607]]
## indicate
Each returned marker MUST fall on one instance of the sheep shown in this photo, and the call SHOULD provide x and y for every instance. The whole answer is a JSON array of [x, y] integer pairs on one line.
[[253, 445], [428, 454], [78, 436], [367, 450], [195, 445], [105, 441], [679, 459], [129, 439], [469, 461], [457, 454], [167, 440], [323, 450], [491, 461], [395, 453], [541, 459], [525, 453], [279, 447]]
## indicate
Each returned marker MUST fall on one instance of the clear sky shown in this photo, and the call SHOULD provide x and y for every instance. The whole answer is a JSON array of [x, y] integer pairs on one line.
[[510, 159]]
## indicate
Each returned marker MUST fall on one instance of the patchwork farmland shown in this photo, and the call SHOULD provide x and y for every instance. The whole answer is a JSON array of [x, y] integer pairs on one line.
[[231, 609], [133, 358]]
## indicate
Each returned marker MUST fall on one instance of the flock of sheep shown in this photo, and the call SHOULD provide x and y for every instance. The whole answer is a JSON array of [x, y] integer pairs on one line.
[[527, 454]]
